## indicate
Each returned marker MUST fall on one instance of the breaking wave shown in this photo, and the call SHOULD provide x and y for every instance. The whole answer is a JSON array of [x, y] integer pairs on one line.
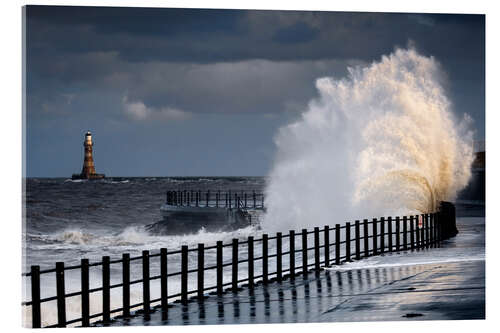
[[134, 236], [381, 141]]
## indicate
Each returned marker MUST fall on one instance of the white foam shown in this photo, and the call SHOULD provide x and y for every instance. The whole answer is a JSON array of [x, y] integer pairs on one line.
[[381, 141], [134, 236]]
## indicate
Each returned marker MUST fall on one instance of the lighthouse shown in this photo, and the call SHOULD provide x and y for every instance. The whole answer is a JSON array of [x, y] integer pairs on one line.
[[88, 170]]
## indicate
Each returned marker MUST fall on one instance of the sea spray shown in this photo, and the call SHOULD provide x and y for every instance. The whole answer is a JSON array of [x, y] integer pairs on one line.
[[381, 141]]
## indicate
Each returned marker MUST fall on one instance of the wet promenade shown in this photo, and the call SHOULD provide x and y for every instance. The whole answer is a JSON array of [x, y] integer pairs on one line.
[[430, 284]]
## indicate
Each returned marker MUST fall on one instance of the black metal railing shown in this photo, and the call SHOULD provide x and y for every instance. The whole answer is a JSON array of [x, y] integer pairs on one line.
[[217, 199], [352, 241]]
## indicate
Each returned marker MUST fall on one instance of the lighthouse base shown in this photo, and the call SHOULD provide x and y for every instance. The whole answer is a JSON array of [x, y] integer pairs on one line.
[[88, 176]]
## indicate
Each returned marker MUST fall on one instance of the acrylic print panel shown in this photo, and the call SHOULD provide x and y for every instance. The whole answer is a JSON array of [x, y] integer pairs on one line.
[[206, 166]]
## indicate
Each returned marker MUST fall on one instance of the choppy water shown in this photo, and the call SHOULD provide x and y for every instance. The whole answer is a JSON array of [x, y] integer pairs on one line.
[[68, 220]]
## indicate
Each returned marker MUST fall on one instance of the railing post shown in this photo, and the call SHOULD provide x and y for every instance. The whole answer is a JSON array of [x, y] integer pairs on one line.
[[208, 197], [219, 267], [398, 233], [412, 232], [279, 257], [164, 279], [366, 244], [348, 241], [262, 199], [428, 230], [201, 271], [337, 244], [389, 230], [217, 195], [36, 321], [316, 249], [417, 232], [61, 295], [184, 274], [146, 291], [304, 252], [382, 235], [375, 235], [230, 200], [250, 262], [234, 264], [106, 295], [292, 253], [265, 259], [405, 233], [84, 263], [245, 200], [126, 284], [431, 227], [326, 235], [357, 243], [254, 200], [422, 231]]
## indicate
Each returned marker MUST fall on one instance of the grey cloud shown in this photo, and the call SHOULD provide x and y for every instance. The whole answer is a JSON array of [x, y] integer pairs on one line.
[[261, 86], [233, 61]]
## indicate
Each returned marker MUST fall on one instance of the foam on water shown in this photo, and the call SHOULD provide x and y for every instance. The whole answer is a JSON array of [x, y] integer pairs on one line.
[[382, 141], [132, 238]]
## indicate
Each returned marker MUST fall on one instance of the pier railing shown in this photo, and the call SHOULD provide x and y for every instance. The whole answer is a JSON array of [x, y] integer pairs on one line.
[[217, 199], [352, 241]]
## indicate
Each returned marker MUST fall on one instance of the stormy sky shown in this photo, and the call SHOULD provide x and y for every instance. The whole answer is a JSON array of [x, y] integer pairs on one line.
[[193, 92]]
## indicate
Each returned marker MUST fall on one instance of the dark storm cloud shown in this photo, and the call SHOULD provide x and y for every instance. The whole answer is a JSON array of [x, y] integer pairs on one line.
[[296, 33], [146, 34], [118, 67], [96, 47]]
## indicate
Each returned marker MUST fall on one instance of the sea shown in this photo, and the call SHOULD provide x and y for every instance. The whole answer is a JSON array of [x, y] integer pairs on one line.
[[66, 220]]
